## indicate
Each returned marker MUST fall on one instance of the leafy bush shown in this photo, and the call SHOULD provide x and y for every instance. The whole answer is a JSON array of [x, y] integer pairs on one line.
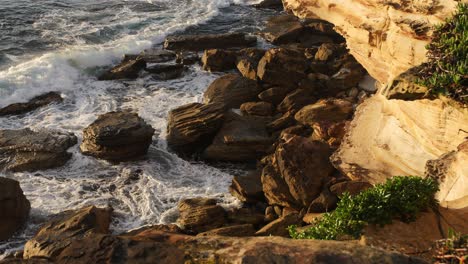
[[400, 197], [446, 72]]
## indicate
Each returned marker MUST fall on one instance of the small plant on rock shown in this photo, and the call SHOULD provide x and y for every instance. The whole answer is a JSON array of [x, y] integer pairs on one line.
[[399, 198], [446, 72]]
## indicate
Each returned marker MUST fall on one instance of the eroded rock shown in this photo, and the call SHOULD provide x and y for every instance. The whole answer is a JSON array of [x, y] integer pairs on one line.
[[257, 108], [14, 208], [248, 188], [31, 105], [199, 215], [125, 70], [217, 60]]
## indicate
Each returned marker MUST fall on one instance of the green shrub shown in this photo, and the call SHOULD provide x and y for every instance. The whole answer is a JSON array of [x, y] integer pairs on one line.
[[400, 197], [446, 72]]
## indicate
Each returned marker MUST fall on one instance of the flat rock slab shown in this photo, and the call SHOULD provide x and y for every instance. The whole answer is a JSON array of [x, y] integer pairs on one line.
[[31, 105], [127, 69], [27, 150], [209, 41], [166, 71], [157, 55], [117, 136]]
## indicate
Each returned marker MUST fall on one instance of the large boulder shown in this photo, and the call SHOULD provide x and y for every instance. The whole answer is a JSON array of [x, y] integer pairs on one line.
[[200, 215], [283, 67], [296, 100], [117, 136], [191, 127], [27, 150], [248, 188], [127, 69], [217, 60], [166, 71], [279, 227], [247, 62], [257, 109], [209, 41], [395, 137], [327, 110], [31, 105], [242, 138], [274, 95], [14, 207], [232, 90]]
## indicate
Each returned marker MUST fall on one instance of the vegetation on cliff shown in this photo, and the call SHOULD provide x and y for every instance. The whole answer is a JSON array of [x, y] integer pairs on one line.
[[399, 198], [446, 72]]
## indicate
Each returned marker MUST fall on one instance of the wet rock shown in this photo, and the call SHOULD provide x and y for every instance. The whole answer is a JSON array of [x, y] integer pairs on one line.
[[157, 55], [279, 227], [257, 108], [14, 208], [231, 90], [231, 231], [166, 71], [242, 138], [247, 62], [273, 4], [117, 136], [191, 127], [248, 188], [187, 58], [296, 100], [209, 41], [196, 217], [274, 95], [351, 187], [27, 150], [283, 67], [327, 110], [125, 70], [31, 105], [218, 60], [65, 229]]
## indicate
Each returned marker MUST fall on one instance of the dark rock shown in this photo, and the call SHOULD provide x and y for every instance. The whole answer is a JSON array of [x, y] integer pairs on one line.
[[191, 127], [272, 4], [157, 55], [215, 60], [327, 110], [202, 42], [270, 214], [296, 100], [166, 71], [328, 51], [282, 29], [197, 218], [231, 231], [274, 188], [274, 95], [242, 138], [231, 90], [187, 204], [351, 187], [326, 202], [279, 227], [257, 108], [125, 70], [14, 208], [247, 62], [245, 216], [284, 121], [298, 130], [187, 58], [117, 136], [27, 150], [33, 104], [248, 188], [283, 67]]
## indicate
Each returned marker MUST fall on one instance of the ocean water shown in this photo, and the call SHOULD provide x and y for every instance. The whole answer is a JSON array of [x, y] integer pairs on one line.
[[60, 45]]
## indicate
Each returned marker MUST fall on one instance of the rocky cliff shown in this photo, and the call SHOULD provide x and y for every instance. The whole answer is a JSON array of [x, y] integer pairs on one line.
[[387, 37]]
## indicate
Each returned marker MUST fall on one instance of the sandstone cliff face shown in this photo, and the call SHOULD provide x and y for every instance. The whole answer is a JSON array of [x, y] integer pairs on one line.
[[387, 37]]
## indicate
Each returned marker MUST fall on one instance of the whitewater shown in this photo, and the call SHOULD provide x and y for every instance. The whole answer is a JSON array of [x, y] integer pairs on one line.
[[60, 45]]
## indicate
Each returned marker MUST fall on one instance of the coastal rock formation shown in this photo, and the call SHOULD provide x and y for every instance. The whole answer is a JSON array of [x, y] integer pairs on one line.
[[248, 188], [31, 105], [27, 150], [82, 236], [257, 108], [451, 171], [386, 37], [14, 207], [191, 127], [117, 136], [231, 90], [328, 110], [247, 62], [127, 69], [395, 137], [166, 71], [283, 67], [200, 215], [214, 60], [157, 55], [241, 138], [209, 41]]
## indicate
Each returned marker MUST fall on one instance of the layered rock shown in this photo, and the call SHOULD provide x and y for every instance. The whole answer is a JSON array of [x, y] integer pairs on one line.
[[247, 62], [283, 67], [117, 136], [14, 208], [231, 90], [241, 138], [248, 188], [386, 37], [31, 105], [200, 215], [166, 71], [127, 69], [27, 150], [214, 60], [191, 127], [209, 41], [395, 137]]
